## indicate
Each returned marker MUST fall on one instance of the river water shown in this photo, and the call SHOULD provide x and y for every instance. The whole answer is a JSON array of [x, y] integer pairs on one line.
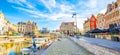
[[13, 48], [63, 47]]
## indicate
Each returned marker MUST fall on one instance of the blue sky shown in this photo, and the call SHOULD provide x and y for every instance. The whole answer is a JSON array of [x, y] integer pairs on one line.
[[50, 13]]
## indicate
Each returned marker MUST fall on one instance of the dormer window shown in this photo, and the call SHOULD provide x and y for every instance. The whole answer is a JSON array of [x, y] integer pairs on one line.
[[66, 24], [92, 19], [110, 9]]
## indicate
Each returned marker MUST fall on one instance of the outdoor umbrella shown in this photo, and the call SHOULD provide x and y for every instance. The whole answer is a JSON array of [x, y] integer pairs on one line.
[[118, 27], [96, 31], [105, 30]]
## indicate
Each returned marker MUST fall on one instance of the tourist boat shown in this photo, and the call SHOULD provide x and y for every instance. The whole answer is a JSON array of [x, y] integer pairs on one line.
[[47, 45], [26, 51], [39, 42]]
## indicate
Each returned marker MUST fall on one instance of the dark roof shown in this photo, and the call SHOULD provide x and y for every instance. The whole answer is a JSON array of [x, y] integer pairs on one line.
[[21, 23], [118, 27], [105, 30], [95, 31]]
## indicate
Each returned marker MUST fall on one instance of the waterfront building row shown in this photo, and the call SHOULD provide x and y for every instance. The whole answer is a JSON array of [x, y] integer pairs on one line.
[[105, 21]]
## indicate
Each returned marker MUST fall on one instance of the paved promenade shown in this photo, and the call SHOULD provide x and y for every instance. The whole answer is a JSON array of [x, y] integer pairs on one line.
[[102, 42], [66, 47], [39, 52]]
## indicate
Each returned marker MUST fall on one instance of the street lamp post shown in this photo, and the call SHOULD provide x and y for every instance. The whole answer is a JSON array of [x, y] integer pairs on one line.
[[75, 16]]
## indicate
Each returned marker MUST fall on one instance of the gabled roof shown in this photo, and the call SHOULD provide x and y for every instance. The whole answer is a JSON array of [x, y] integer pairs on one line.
[[99, 15], [28, 23], [92, 16], [21, 23], [63, 23]]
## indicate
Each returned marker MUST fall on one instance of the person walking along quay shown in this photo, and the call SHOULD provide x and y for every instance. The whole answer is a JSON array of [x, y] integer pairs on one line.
[[34, 45]]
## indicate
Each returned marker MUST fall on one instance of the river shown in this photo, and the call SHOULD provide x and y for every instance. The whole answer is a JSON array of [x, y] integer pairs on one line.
[[13, 48]]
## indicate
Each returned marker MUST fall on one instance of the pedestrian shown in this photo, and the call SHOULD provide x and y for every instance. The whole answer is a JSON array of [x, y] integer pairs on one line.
[[34, 46]]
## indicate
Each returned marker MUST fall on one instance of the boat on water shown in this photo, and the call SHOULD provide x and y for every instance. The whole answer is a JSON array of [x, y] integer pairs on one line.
[[26, 51], [47, 45], [37, 44]]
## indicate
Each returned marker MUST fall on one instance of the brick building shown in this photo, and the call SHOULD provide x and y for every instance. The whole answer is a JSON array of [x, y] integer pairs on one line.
[[112, 15], [67, 28], [100, 21]]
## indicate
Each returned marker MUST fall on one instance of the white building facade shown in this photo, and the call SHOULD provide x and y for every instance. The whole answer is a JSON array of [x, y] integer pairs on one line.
[[3, 24]]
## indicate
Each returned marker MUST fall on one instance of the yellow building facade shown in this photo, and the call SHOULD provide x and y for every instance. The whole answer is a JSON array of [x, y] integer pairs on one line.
[[28, 28], [86, 26]]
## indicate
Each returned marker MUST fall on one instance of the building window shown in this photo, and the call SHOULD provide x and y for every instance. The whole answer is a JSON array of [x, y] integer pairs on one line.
[[110, 9], [117, 13], [66, 24], [116, 5], [20, 29], [109, 17], [92, 19], [92, 27], [28, 26], [119, 20]]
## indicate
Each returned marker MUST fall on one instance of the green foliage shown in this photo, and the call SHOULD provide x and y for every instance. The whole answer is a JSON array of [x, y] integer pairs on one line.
[[113, 35]]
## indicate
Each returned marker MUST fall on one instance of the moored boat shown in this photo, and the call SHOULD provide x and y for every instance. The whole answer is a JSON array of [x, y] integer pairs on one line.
[[26, 51]]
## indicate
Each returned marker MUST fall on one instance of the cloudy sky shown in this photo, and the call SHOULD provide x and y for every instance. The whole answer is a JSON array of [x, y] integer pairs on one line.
[[50, 13]]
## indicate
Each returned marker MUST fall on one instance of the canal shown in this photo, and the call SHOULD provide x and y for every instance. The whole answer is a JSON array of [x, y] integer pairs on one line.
[[13, 48], [65, 46]]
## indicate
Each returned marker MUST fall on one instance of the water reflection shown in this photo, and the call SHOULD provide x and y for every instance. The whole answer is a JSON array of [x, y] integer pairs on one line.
[[13, 48], [11, 53]]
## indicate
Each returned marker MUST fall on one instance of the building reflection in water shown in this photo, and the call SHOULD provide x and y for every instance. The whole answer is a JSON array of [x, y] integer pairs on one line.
[[13, 48]]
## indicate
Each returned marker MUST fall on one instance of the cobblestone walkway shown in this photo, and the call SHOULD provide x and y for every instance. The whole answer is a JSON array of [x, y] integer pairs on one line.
[[67, 47], [39, 52], [106, 43]]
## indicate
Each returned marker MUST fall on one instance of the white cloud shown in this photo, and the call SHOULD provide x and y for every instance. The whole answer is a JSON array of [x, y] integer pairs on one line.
[[63, 11], [22, 3], [34, 13], [103, 11], [66, 8], [49, 4], [92, 3], [60, 16]]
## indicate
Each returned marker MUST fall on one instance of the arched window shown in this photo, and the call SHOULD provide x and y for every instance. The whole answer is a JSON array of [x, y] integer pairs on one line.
[[117, 13]]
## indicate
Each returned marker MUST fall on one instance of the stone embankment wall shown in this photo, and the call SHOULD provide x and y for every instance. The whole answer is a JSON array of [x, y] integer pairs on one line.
[[96, 49]]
